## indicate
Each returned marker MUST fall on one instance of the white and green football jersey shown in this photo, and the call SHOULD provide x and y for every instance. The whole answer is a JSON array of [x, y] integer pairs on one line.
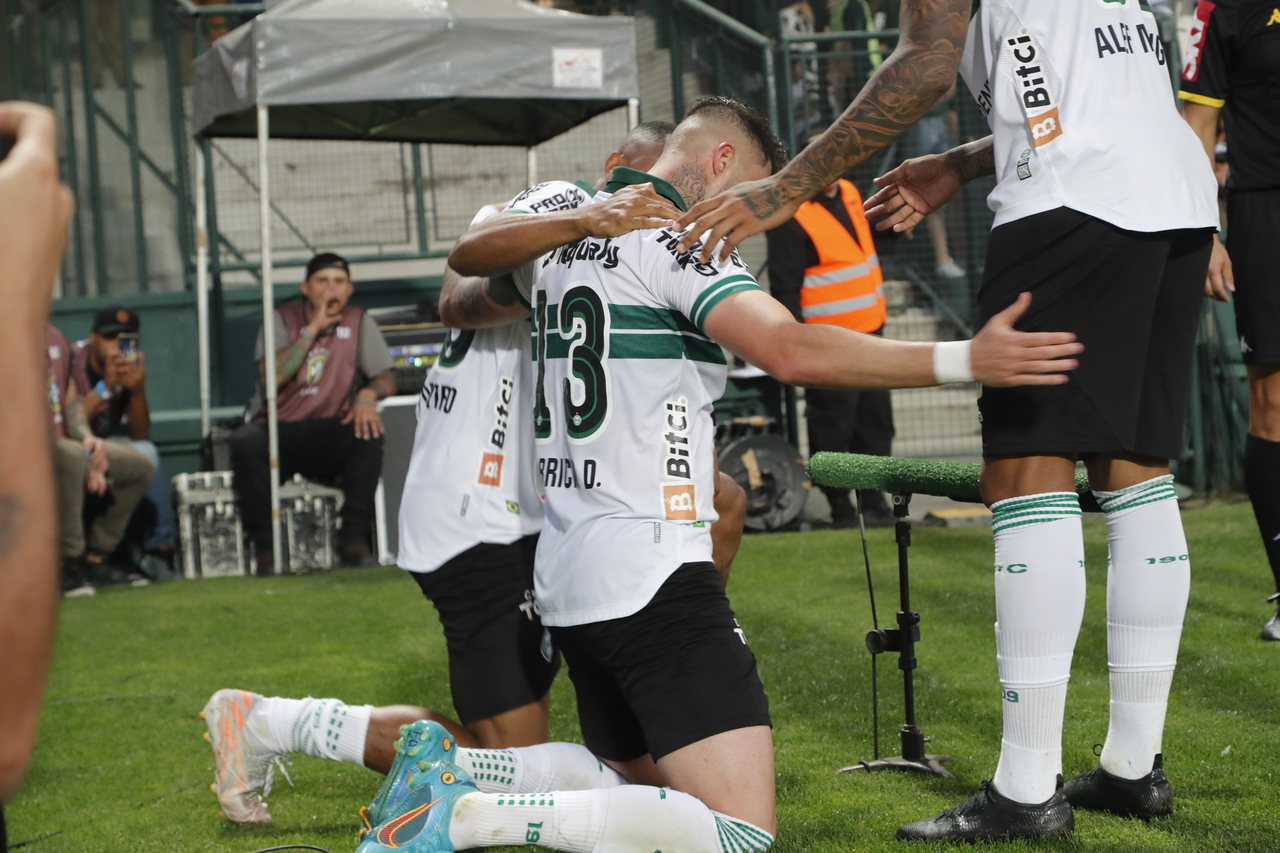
[[471, 473], [624, 382], [1078, 98]]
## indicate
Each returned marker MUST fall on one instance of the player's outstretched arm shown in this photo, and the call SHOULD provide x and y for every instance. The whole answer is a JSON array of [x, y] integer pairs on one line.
[[755, 326], [920, 70], [510, 240], [922, 185]]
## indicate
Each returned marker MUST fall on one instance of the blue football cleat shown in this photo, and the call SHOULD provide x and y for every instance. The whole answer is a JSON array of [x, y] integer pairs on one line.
[[419, 821], [420, 745]]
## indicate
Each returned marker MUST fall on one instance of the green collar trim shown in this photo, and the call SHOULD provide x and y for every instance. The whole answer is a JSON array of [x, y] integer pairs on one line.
[[585, 187], [625, 176]]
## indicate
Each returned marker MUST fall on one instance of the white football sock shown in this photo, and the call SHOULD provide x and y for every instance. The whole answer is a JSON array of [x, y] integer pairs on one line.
[[546, 767], [324, 728], [1040, 593], [606, 820], [1147, 588]]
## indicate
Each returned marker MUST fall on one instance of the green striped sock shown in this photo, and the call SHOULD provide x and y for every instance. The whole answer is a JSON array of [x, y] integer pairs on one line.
[[738, 836], [1033, 509], [1155, 489]]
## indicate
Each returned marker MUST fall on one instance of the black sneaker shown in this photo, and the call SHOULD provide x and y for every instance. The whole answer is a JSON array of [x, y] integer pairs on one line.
[[1145, 798], [72, 579], [988, 815]]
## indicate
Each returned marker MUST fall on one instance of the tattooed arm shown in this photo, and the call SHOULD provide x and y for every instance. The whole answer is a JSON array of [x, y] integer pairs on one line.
[[920, 186], [920, 71], [34, 208], [474, 302]]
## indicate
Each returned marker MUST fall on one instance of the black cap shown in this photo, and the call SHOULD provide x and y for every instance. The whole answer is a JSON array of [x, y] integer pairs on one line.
[[115, 319], [327, 260]]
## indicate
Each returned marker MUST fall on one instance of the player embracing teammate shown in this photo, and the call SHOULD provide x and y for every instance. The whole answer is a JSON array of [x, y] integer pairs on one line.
[[627, 334]]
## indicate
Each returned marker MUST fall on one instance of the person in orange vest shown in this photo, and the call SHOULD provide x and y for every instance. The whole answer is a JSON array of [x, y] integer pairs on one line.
[[823, 266]]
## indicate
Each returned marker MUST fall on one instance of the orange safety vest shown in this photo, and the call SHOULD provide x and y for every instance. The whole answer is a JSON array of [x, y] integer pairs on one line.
[[845, 288]]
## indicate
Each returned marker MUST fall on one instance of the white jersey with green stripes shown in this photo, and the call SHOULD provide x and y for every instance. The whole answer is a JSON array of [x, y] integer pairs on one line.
[[471, 473], [1079, 101], [624, 382]]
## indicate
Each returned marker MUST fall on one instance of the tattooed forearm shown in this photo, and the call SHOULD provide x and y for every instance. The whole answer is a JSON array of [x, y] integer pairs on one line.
[[77, 423], [470, 299], [290, 359], [12, 511], [973, 160], [919, 72]]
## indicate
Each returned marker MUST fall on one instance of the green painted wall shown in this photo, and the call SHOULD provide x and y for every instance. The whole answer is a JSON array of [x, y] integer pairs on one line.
[[168, 337]]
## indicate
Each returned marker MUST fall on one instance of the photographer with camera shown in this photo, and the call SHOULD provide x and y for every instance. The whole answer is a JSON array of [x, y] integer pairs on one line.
[[110, 373]]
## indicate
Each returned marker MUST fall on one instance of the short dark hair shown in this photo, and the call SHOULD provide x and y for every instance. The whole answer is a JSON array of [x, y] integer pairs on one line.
[[327, 260], [750, 120], [651, 134]]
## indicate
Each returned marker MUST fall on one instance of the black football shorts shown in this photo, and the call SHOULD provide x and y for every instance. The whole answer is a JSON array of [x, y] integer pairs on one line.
[[500, 655], [1253, 222], [1132, 298], [677, 671]]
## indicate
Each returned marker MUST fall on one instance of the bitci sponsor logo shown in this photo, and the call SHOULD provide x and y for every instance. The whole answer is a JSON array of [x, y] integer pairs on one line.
[[491, 470], [679, 503]]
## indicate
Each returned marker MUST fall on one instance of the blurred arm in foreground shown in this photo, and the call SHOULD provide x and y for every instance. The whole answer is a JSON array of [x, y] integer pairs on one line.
[[34, 208]]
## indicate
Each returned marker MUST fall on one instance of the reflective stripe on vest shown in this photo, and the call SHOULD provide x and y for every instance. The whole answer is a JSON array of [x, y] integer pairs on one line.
[[844, 287]]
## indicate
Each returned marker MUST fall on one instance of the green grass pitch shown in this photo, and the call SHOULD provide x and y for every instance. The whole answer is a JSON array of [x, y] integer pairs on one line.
[[121, 766]]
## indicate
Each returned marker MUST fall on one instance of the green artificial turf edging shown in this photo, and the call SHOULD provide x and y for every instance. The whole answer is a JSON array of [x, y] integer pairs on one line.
[[121, 766]]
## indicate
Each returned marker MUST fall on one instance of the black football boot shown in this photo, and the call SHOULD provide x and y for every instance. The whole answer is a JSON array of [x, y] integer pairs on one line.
[[1145, 798], [988, 815]]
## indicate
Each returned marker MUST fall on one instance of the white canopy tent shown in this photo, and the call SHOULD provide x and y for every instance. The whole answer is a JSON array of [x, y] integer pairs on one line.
[[477, 72]]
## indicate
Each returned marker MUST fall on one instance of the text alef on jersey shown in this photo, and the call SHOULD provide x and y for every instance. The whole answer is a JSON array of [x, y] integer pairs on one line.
[[1121, 41], [439, 396], [559, 472]]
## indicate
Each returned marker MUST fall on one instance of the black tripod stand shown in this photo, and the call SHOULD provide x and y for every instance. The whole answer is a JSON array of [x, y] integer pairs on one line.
[[902, 640]]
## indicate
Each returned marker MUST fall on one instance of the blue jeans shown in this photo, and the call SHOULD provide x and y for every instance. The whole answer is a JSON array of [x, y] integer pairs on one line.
[[160, 534]]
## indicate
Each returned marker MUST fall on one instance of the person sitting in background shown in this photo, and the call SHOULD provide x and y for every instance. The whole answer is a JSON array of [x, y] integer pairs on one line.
[[331, 372], [85, 464], [823, 268], [112, 388]]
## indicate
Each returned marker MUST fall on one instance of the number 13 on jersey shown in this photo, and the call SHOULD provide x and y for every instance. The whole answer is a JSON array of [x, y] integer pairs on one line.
[[581, 323]]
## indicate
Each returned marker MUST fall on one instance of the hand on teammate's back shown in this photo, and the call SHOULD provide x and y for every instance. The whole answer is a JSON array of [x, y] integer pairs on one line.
[[1000, 355], [631, 208], [911, 192]]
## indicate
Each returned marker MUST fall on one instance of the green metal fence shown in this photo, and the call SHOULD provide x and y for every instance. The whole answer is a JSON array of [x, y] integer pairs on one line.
[[118, 74]]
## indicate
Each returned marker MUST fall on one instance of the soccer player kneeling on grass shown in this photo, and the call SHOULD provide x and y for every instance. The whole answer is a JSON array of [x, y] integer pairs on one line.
[[628, 363], [1114, 243], [469, 523]]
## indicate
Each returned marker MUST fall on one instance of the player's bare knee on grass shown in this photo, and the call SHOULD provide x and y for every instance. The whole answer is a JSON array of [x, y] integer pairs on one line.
[[732, 773]]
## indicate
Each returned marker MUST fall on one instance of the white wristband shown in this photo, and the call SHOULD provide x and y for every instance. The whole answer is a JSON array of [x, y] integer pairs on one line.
[[951, 362]]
